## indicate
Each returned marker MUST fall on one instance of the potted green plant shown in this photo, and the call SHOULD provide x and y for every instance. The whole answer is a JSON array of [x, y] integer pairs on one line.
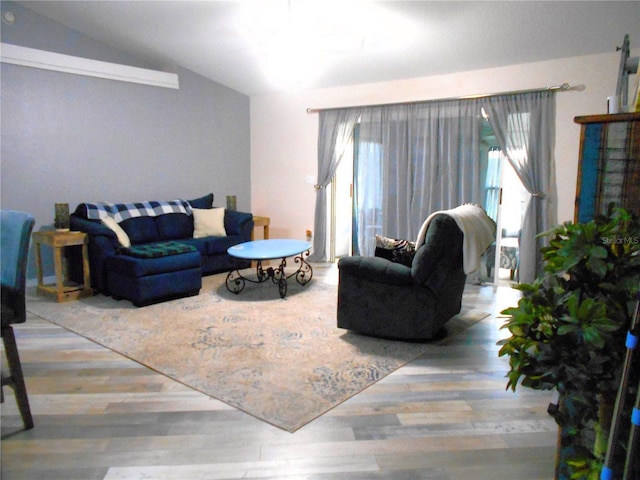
[[568, 332]]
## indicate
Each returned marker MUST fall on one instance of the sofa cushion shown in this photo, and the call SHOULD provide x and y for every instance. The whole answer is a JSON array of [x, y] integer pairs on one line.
[[140, 267], [202, 202], [174, 226], [220, 245], [208, 222], [141, 230], [213, 245]]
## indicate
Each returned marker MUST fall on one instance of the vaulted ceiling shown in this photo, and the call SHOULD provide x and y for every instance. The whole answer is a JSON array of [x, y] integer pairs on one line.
[[258, 47]]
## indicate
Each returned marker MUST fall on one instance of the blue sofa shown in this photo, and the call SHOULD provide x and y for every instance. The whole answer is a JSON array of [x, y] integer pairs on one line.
[[163, 260]]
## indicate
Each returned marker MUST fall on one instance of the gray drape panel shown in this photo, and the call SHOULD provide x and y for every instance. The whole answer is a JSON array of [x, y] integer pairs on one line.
[[524, 126], [334, 135], [426, 158], [415, 159]]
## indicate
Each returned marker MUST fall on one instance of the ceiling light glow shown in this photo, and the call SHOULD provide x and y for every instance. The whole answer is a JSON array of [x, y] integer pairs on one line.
[[296, 39]]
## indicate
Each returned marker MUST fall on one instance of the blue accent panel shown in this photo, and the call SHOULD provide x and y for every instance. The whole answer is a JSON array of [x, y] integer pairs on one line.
[[632, 341], [589, 172], [606, 474], [635, 416]]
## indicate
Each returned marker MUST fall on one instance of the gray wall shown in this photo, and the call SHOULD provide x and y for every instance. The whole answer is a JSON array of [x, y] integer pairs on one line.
[[69, 138]]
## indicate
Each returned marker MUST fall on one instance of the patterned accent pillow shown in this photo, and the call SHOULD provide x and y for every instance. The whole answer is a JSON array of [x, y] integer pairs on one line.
[[395, 250], [157, 250]]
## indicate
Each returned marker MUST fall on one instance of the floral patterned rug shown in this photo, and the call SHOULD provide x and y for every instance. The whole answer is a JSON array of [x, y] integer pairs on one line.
[[283, 361]]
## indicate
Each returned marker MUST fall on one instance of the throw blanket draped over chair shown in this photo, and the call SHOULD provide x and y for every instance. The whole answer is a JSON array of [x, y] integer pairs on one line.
[[478, 229], [382, 298]]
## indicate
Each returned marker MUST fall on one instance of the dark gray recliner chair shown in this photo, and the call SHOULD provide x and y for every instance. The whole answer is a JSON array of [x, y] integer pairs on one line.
[[380, 298]]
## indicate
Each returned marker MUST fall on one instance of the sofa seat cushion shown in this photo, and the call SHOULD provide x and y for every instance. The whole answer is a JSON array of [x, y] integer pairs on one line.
[[141, 267], [154, 250], [213, 245]]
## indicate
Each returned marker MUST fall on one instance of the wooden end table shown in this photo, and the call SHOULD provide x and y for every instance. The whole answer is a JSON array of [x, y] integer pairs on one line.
[[261, 222], [63, 290]]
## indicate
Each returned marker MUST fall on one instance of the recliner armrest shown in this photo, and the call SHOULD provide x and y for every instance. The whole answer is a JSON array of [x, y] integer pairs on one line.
[[376, 269]]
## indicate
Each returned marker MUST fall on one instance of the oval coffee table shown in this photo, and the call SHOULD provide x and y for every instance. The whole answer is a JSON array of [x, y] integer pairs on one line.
[[262, 250]]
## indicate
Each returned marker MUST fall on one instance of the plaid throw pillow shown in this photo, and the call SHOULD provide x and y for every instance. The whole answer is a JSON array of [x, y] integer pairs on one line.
[[155, 250], [395, 250]]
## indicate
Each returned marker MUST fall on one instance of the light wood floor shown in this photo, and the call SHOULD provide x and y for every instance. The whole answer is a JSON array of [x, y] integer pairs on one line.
[[446, 415]]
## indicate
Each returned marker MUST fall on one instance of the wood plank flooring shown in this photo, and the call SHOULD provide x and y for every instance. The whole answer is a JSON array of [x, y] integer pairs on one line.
[[444, 416]]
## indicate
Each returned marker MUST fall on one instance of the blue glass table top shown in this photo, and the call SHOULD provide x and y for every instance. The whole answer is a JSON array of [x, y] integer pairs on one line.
[[268, 249]]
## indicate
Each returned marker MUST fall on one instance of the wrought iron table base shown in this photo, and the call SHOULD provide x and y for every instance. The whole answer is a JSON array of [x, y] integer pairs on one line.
[[236, 281]]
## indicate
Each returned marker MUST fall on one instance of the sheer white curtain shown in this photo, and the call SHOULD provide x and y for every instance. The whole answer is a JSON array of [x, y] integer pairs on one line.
[[335, 133], [492, 182], [426, 157], [415, 159], [524, 125]]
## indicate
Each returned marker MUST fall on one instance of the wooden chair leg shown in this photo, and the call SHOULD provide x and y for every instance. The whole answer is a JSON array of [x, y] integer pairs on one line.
[[16, 381]]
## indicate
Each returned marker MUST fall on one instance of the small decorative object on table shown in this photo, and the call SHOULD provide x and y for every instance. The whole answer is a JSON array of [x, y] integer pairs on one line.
[[62, 220], [231, 202]]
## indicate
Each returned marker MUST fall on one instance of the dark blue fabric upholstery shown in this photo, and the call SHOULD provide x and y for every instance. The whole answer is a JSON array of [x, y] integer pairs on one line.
[[110, 271], [385, 299], [140, 267], [202, 202], [174, 225], [155, 288], [141, 230]]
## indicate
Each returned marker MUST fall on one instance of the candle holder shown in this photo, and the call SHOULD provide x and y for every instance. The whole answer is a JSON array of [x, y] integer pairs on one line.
[[231, 202], [62, 221]]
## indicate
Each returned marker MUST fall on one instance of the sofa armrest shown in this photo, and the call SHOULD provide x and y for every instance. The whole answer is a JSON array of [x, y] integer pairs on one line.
[[376, 269], [103, 243], [92, 227], [238, 223]]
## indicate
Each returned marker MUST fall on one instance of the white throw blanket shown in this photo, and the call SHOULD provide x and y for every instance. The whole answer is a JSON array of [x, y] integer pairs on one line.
[[478, 229]]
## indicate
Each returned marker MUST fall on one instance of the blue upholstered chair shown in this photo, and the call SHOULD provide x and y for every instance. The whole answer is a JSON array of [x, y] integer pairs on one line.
[[15, 233]]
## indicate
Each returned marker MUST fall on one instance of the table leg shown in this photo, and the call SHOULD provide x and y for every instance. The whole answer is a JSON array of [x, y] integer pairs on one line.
[[235, 281], [58, 267], [39, 265], [85, 267]]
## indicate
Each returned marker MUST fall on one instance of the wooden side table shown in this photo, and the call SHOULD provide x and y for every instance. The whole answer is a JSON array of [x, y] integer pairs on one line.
[[261, 222], [63, 290]]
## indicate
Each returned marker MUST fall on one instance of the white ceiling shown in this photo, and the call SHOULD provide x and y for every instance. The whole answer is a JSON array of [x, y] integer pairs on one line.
[[327, 44]]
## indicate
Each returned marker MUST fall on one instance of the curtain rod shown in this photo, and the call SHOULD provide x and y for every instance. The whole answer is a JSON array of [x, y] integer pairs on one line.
[[553, 88]]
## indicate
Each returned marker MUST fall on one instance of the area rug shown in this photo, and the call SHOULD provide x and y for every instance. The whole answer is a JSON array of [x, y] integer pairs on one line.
[[283, 361]]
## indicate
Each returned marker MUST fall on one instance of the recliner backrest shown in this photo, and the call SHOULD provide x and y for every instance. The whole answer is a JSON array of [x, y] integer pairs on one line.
[[440, 254]]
